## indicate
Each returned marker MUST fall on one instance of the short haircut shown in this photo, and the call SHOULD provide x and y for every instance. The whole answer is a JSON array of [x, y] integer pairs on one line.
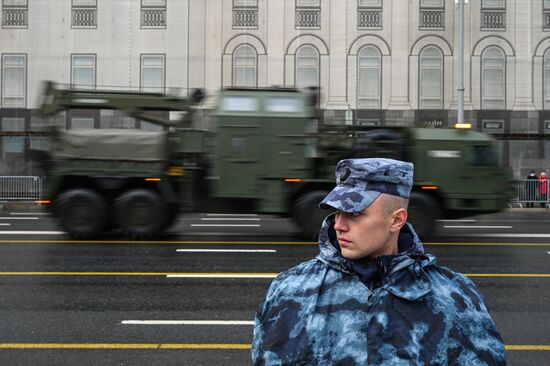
[[392, 203]]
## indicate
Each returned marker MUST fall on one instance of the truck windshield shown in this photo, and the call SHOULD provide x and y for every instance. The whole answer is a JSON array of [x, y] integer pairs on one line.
[[482, 155]]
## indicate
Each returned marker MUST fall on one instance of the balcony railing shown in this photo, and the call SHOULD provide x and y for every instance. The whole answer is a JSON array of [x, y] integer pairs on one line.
[[369, 18], [14, 17], [546, 19], [432, 18], [308, 18], [493, 19], [153, 18], [84, 17], [245, 17]]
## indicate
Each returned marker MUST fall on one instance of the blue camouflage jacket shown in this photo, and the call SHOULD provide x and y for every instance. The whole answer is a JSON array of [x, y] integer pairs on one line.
[[395, 310]]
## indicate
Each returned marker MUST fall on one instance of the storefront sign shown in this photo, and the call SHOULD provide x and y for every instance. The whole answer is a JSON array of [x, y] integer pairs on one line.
[[493, 125]]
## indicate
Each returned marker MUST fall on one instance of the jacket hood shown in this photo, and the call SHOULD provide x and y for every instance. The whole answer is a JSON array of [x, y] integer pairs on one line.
[[411, 254]]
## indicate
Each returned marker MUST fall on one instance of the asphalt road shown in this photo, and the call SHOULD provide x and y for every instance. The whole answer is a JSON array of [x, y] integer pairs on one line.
[[189, 298]]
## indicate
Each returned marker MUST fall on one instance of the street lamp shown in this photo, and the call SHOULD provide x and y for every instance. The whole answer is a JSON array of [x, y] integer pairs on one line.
[[460, 89]]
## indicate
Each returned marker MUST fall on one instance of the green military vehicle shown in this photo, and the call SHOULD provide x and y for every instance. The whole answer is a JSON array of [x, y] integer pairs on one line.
[[263, 152]]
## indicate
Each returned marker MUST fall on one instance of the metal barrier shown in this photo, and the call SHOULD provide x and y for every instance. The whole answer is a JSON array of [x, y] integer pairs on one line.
[[530, 193], [21, 188]]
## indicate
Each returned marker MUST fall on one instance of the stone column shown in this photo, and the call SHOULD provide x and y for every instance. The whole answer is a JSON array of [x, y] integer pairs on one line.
[[400, 24], [521, 16], [337, 60]]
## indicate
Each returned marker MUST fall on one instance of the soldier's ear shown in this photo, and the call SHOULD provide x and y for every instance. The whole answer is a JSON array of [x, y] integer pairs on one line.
[[399, 219]]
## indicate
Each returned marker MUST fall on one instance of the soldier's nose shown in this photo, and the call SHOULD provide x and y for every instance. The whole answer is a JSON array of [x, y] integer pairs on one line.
[[340, 222]]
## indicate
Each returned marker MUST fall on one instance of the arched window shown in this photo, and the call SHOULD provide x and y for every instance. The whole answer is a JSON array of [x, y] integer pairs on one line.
[[369, 85], [546, 79], [493, 78], [431, 78], [245, 61], [307, 67]]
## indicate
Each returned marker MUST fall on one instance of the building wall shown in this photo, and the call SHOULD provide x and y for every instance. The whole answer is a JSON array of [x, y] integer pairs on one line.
[[200, 38]]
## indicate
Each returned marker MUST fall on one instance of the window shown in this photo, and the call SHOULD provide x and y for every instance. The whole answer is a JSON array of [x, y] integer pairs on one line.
[[546, 15], [493, 14], [14, 13], [431, 78], [493, 78], [245, 66], [83, 71], [84, 13], [245, 13], [284, 105], [152, 73], [369, 85], [12, 144], [307, 67], [493, 4], [308, 14], [546, 79], [432, 14], [82, 123], [481, 155], [238, 103], [369, 3], [14, 81], [153, 14], [369, 14]]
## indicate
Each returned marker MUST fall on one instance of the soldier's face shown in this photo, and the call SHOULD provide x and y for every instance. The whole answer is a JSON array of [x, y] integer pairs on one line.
[[367, 233]]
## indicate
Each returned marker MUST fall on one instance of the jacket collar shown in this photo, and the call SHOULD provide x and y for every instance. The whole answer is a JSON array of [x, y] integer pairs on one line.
[[387, 271]]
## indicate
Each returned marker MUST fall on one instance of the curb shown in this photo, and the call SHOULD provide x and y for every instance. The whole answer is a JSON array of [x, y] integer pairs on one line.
[[20, 206]]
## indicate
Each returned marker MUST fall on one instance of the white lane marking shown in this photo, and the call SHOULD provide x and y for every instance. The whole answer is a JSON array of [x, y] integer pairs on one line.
[[227, 250], [29, 213], [231, 214], [448, 220], [18, 218], [226, 225], [508, 235], [217, 275], [32, 232], [4, 224], [475, 227], [228, 219], [187, 322]]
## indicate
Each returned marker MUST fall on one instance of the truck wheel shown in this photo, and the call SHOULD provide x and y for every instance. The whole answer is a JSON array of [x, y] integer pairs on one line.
[[307, 214], [140, 214], [423, 212], [82, 213]]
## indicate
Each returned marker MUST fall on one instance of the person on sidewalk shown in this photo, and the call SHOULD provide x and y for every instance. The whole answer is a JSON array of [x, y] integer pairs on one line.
[[372, 296], [543, 190], [531, 188]]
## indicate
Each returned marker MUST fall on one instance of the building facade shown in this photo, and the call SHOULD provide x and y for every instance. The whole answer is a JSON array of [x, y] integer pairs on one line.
[[377, 62]]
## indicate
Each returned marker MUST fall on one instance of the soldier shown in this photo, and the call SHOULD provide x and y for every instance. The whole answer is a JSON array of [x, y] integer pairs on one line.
[[372, 296]]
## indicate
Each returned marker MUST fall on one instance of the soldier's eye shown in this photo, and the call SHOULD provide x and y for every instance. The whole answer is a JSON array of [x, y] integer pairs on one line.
[[355, 214]]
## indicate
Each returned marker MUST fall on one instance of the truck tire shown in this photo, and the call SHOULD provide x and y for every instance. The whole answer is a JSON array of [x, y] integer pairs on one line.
[[307, 214], [82, 213], [423, 212], [140, 214]]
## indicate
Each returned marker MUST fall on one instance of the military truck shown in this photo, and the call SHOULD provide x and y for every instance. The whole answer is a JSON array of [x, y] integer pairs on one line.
[[262, 150]]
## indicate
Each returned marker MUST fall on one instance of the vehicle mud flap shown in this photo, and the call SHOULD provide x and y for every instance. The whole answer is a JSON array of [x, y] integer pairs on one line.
[[307, 214], [140, 214], [423, 212], [82, 213]]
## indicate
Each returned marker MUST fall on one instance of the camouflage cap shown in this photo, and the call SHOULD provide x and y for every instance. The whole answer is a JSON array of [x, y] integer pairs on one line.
[[360, 181]]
